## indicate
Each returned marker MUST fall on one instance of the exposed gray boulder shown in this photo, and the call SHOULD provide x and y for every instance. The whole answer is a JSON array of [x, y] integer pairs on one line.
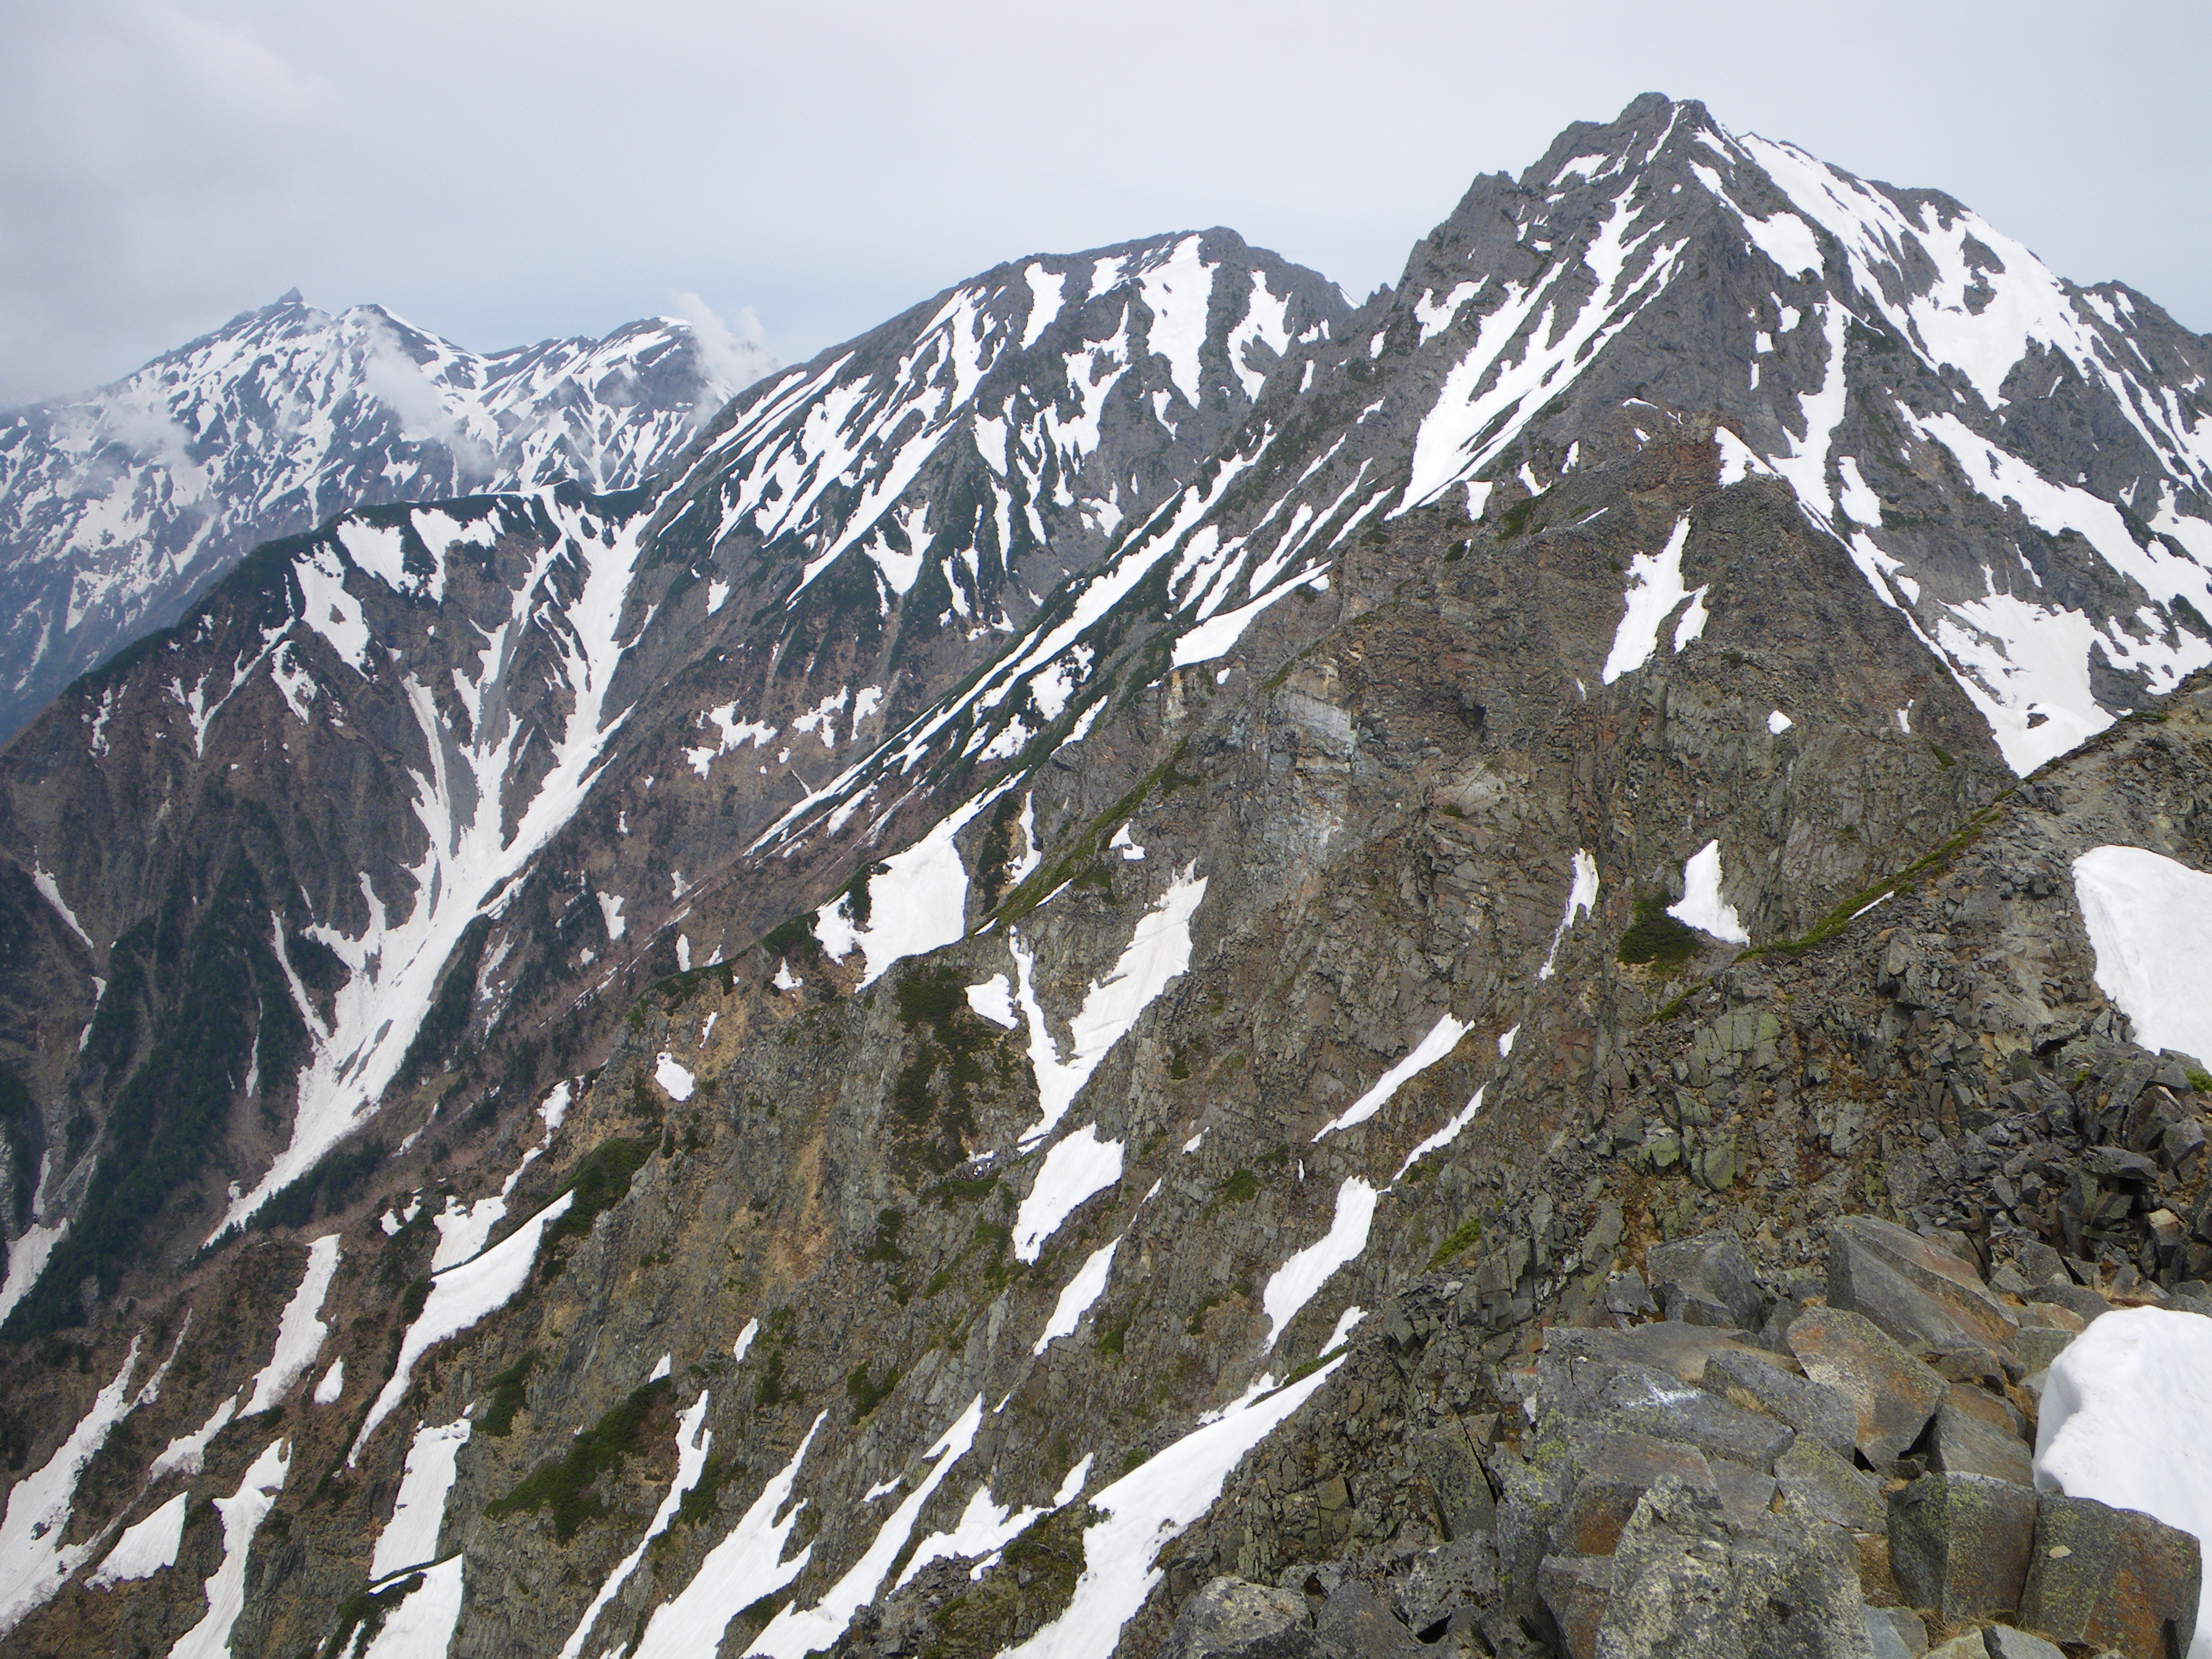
[[2004, 1641], [1577, 1590], [1355, 1620], [1818, 1485], [1707, 1280], [1896, 1633], [1966, 1442], [1440, 1583], [1824, 1413], [1692, 1417], [1235, 1619], [1616, 1471], [1916, 1290], [1688, 1582]]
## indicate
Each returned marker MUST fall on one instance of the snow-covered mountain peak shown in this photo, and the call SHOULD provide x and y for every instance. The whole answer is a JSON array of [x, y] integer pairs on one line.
[[117, 504], [1013, 424]]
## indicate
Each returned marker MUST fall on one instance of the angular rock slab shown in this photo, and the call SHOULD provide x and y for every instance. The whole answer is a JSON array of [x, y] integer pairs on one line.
[[1650, 1405], [2004, 1641], [1617, 1470], [1896, 1633], [1684, 1350], [1916, 1290], [1462, 1574], [1958, 1544], [1355, 1620], [1463, 1496], [1966, 1442], [1758, 1381], [1894, 1393], [1818, 1485], [2111, 1578]]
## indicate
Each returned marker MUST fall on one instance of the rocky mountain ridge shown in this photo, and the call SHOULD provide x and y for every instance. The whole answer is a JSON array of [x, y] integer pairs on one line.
[[119, 506], [1259, 946]]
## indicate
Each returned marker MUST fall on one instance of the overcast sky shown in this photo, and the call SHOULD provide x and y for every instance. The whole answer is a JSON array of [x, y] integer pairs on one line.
[[499, 172]]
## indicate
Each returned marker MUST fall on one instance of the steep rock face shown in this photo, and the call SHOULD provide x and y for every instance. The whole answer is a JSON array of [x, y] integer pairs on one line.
[[117, 505], [393, 725], [1231, 995], [2016, 463]]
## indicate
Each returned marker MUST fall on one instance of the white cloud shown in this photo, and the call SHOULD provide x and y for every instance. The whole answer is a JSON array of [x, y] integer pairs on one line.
[[732, 358], [397, 382]]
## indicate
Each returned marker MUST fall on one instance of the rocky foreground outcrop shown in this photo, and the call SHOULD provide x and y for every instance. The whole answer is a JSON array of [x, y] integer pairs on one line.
[[1836, 1466]]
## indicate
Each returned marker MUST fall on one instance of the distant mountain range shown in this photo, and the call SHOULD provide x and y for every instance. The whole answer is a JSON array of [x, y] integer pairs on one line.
[[116, 505]]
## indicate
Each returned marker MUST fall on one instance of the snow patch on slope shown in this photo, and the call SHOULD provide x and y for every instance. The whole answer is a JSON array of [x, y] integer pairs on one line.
[[1581, 896], [1702, 906], [301, 1332], [410, 1537], [477, 836], [146, 1548], [1078, 1168], [1299, 1279], [458, 1297], [34, 1562], [793, 1633], [694, 1440], [1145, 1512], [1654, 590], [1443, 1036], [1077, 1297], [915, 905], [2149, 921], [736, 1572], [1158, 951], [242, 1513]]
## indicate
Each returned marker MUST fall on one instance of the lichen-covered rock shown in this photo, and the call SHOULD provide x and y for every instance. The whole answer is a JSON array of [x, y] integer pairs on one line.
[[1707, 1280], [1577, 1589], [1616, 1470], [1917, 1291], [1688, 1582], [2004, 1641], [1232, 1619], [1815, 1410], [2111, 1578], [1965, 1441], [1355, 1621], [1896, 1633], [1817, 1484], [1460, 1576]]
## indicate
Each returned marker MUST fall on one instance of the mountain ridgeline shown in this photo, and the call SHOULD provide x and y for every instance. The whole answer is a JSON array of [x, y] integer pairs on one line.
[[1028, 982], [120, 506]]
